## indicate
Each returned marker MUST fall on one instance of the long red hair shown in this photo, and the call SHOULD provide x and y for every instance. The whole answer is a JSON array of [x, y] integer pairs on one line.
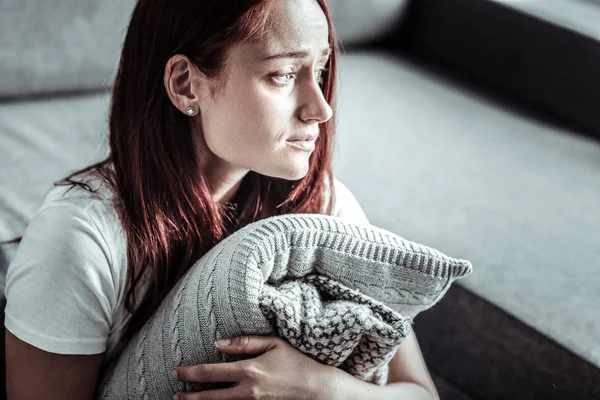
[[166, 209]]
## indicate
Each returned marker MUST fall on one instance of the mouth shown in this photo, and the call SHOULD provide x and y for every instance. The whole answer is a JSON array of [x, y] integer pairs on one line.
[[304, 137], [307, 145]]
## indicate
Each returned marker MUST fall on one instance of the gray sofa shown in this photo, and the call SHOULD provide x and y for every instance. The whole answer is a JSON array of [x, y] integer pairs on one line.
[[430, 156]]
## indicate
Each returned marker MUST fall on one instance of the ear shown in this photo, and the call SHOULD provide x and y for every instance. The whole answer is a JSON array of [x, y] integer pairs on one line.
[[183, 82]]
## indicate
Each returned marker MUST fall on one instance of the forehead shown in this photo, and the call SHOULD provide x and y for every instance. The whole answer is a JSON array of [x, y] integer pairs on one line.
[[293, 25]]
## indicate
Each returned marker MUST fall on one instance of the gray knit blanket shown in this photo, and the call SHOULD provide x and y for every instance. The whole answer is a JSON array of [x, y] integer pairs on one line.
[[343, 294]]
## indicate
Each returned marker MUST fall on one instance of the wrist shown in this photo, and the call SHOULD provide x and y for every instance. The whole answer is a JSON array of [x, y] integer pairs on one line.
[[328, 383], [340, 385]]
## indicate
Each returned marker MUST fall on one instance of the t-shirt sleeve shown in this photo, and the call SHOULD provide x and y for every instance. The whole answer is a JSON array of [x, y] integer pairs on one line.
[[60, 291], [346, 206]]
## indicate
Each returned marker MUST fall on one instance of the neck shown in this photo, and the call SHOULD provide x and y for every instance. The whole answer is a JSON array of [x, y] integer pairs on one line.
[[223, 178]]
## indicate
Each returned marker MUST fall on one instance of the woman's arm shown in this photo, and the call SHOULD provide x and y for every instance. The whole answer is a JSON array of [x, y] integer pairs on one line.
[[33, 374], [408, 365], [408, 378], [282, 372], [61, 293]]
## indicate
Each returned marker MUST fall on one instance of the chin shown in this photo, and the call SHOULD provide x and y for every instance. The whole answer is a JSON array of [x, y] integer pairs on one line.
[[297, 177], [290, 174], [293, 176]]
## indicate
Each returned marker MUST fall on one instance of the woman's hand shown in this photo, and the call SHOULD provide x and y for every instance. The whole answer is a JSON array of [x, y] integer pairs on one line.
[[280, 372]]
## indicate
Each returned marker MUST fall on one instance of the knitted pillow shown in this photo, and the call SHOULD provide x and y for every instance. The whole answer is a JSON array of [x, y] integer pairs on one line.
[[229, 292]]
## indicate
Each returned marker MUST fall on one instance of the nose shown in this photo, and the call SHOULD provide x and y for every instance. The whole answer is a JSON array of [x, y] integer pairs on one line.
[[314, 107]]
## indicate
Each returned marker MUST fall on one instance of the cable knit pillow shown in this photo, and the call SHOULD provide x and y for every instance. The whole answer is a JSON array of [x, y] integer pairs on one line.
[[275, 277]]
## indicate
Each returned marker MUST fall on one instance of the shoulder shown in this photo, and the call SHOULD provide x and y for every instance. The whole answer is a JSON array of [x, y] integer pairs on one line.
[[74, 234], [73, 224], [76, 208], [66, 276], [95, 191], [345, 204], [82, 219]]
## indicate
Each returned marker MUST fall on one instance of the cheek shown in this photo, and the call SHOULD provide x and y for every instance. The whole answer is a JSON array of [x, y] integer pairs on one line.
[[256, 119], [248, 128]]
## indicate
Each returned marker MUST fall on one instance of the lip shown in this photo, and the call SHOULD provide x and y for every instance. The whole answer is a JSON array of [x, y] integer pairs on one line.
[[303, 138], [306, 145]]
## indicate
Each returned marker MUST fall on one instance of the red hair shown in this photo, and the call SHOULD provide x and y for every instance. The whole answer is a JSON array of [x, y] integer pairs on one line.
[[165, 207]]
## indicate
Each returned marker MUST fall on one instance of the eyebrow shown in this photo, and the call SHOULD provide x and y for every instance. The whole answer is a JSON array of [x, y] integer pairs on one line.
[[297, 54]]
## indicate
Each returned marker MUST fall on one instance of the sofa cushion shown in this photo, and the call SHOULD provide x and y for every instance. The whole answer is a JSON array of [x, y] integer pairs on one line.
[[74, 45], [64, 45], [358, 21], [445, 166], [578, 16]]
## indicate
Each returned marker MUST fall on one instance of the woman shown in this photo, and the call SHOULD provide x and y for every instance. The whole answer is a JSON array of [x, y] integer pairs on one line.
[[220, 116]]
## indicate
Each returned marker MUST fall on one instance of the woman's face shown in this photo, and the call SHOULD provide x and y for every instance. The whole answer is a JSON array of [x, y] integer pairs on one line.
[[270, 99]]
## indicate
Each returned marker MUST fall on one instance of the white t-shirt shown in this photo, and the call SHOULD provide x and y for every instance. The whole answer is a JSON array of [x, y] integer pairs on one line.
[[65, 287]]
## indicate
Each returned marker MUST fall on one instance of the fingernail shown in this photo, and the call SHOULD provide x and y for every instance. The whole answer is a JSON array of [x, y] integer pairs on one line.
[[175, 397], [174, 373], [223, 342]]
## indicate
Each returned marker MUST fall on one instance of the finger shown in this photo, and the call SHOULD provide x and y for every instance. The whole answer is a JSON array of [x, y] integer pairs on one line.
[[223, 372], [250, 344]]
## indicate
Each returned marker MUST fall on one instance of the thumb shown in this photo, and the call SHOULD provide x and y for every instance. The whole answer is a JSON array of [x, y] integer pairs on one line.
[[248, 344]]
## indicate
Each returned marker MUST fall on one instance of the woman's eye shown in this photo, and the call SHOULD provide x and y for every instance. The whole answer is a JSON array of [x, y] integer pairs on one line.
[[283, 79], [319, 75]]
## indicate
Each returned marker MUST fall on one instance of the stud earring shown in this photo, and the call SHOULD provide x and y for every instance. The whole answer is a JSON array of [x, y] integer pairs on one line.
[[190, 110]]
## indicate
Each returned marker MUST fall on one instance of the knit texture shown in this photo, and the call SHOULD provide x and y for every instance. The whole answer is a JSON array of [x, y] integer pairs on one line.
[[375, 279], [336, 325]]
